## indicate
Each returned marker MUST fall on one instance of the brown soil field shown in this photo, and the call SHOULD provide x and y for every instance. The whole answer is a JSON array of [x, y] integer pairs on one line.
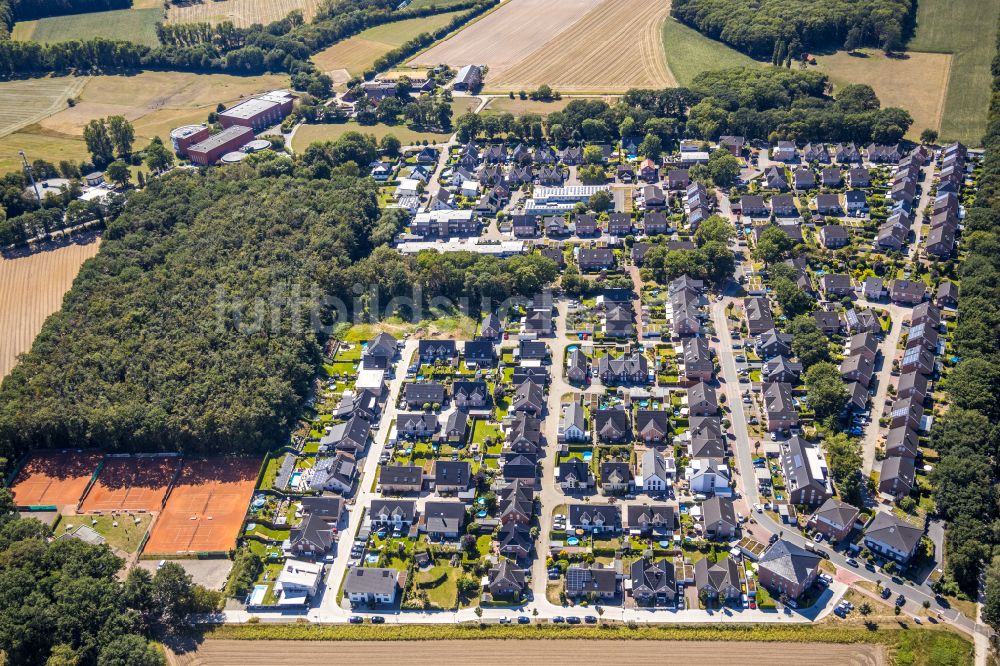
[[551, 653], [508, 35], [131, 484], [917, 82], [32, 288], [205, 508], [616, 46], [54, 478], [241, 12]]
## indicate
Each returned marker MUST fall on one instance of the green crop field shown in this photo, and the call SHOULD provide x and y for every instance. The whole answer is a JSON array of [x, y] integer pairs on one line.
[[967, 30], [690, 53], [136, 25]]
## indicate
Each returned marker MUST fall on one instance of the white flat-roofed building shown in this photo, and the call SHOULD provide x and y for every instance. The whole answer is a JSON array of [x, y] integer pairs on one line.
[[297, 582], [567, 194], [499, 249]]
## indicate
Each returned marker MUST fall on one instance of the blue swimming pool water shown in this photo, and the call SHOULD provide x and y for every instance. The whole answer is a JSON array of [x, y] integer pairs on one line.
[[257, 596], [572, 541], [294, 480], [482, 514], [587, 455], [572, 348]]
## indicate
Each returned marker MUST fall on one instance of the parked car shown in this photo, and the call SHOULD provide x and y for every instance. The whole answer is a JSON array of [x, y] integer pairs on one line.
[[591, 619], [558, 619], [505, 620], [886, 592], [523, 619], [378, 619], [900, 600], [572, 620], [818, 537], [851, 561], [356, 619]]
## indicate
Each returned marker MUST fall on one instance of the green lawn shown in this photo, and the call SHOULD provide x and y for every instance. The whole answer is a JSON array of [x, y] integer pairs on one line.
[[135, 25], [967, 30], [126, 536], [307, 134], [689, 52], [484, 429], [445, 593]]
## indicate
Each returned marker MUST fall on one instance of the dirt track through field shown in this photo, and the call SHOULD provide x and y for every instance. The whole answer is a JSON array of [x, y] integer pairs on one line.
[[508, 35], [616, 46], [32, 288], [550, 653]]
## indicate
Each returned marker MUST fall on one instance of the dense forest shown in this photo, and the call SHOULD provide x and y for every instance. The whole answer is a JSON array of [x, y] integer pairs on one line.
[[765, 28], [63, 602], [186, 332], [767, 104], [967, 436]]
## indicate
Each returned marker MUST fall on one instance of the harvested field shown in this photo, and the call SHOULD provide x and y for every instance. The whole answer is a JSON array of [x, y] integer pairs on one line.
[[206, 506], [32, 288], [25, 102], [505, 37], [242, 13], [358, 53], [552, 653], [616, 46], [134, 483], [54, 478], [155, 102], [917, 82], [306, 134]]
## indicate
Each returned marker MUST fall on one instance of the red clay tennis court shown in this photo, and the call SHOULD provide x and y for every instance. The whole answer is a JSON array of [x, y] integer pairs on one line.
[[206, 507], [133, 483], [54, 478]]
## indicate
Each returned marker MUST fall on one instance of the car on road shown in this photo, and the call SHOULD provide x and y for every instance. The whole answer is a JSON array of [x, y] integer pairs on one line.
[[590, 619], [355, 619], [852, 562], [741, 358], [523, 619], [758, 508], [378, 619], [572, 620]]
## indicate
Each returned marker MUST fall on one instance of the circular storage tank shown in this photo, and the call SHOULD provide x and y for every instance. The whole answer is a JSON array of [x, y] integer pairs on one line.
[[256, 145], [233, 157]]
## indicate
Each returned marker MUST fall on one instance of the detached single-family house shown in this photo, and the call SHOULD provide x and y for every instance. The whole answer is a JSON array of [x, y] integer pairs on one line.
[[371, 586], [787, 569], [892, 537]]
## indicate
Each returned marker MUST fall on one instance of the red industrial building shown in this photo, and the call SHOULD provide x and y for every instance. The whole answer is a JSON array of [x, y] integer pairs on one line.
[[208, 151], [260, 112], [183, 137]]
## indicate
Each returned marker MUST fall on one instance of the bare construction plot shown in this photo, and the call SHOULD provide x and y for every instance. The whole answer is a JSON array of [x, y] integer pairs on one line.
[[616, 46], [551, 653], [508, 35]]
